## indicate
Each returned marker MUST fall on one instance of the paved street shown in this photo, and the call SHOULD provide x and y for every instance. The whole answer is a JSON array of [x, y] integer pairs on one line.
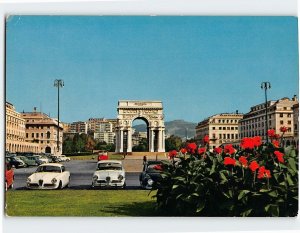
[[81, 175]]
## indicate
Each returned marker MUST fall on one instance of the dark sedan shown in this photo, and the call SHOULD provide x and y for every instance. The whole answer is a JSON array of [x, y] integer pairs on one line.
[[151, 174]]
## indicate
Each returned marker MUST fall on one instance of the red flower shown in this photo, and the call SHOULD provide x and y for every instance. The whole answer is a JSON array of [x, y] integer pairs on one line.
[[183, 150], [275, 143], [279, 156], [257, 141], [247, 143], [276, 136], [271, 133], [172, 153], [191, 147], [229, 161], [228, 149], [243, 160], [206, 139], [158, 167], [283, 129], [218, 150], [263, 173], [201, 150], [253, 166]]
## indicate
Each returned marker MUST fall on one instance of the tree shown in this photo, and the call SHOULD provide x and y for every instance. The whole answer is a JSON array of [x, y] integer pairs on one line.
[[173, 143]]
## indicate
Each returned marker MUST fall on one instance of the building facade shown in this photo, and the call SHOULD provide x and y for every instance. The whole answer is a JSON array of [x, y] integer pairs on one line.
[[104, 131], [15, 132], [280, 113], [221, 129], [42, 130], [78, 127]]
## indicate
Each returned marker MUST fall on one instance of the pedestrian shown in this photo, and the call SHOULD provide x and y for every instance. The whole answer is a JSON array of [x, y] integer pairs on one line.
[[144, 159]]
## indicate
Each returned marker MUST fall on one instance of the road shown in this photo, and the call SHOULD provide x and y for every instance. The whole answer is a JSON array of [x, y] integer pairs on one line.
[[81, 175]]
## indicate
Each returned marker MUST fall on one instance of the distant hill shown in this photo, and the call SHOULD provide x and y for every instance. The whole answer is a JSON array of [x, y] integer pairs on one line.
[[176, 127]]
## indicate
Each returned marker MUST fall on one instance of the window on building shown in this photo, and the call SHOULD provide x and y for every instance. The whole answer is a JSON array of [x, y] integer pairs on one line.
[[289, 115], [213, 128], [232, 136], [289, 122], [220, 128], [37, 135], [281, 115], [232, 128], [281, 122], [32, 135], [220, 136], [42, 135], [224, 128], [26, 135], [295, 126], [284, 108], [48, 134]]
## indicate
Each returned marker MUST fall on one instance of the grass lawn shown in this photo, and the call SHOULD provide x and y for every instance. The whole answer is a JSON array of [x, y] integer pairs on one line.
[[90, 157], [80, 203]]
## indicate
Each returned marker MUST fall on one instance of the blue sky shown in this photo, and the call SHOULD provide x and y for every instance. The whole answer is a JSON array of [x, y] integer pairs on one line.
[[198, 66]]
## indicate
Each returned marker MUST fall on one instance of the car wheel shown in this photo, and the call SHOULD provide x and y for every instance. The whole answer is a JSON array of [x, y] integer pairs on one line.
[[142, 186]]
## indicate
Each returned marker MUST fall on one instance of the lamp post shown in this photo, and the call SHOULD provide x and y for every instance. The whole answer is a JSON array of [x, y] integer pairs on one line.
[[266, 86], [58, 83]]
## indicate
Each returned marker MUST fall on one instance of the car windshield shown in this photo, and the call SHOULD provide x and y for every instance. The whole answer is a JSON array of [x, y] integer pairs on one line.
[[109, 166], [48, 169], [151, 168]]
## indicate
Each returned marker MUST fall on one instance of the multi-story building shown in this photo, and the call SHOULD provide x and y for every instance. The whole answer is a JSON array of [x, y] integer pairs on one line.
[[42, 130], [104, 131], [280, 113], [15, 132], [221, 129], [296, 124], [137, 137], [92, 122], [78, 127]]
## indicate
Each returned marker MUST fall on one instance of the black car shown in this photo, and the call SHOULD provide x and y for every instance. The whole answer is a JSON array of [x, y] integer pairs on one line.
[[151, 174], [15, 162]]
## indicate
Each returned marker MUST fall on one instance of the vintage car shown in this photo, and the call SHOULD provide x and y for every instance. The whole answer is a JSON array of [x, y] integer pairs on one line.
[[109, 173], [102, 155], [49, 176], [64, 158], [9, 176], [16, 162], [151, 173]]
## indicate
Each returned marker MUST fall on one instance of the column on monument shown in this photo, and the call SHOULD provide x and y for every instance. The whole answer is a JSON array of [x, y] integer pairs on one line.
[[121, 140], [151, 135], [117, 141], [159, 140], [129, 140], [163, 141]]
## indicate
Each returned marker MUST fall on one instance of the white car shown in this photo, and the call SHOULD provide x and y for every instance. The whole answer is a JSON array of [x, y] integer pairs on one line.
[[109, 173], [49, 176], [63, 158]]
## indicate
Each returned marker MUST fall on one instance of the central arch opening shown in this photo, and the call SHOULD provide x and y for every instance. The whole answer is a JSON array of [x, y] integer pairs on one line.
[[140, 135]]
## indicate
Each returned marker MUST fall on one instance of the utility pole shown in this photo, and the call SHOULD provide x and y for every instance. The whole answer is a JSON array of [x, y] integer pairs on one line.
[[58, 83], [266, 86]]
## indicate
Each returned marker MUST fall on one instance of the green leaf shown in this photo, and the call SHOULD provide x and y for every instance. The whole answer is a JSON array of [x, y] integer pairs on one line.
[[292, 164], [246, 213], [223, 177], [273, 193], [264, 190], [175, 186], [273, 210], [200, 206], [242, 194], [289, 180]]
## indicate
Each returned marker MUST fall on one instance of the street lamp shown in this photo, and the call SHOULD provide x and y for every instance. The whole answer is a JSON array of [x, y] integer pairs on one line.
[[58, 83], [266, 86]]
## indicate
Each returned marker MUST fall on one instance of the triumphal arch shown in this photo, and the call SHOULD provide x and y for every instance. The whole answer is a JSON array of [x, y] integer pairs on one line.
[[149, 111]]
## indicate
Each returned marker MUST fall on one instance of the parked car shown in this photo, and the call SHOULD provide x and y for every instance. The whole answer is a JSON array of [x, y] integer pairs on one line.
[[42, 159], [9, 176], [64, 158], [49, 176], [102, 155], [31, 160], [151, 174], [109, 173], [16, 162]]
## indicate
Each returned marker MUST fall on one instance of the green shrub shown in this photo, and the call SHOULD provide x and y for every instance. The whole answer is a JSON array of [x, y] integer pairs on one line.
[[221, 183]]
